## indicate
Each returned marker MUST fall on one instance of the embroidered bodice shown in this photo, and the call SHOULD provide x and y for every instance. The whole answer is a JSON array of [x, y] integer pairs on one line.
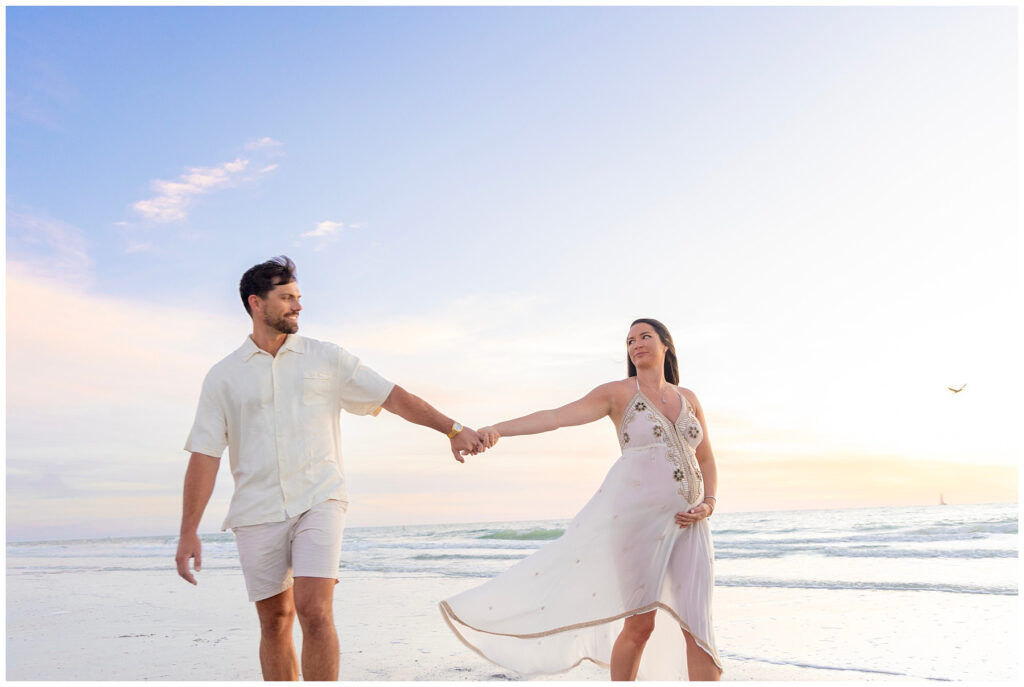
[[645, 426]]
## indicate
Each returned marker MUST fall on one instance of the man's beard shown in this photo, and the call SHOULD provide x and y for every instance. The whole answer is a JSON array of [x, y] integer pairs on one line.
[[282, 325]]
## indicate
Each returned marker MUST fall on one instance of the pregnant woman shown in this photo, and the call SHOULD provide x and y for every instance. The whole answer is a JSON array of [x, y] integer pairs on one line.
[[640, 548]]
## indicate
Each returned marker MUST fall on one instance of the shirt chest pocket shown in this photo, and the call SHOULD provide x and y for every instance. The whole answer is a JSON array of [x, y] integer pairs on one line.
[[317, 388]]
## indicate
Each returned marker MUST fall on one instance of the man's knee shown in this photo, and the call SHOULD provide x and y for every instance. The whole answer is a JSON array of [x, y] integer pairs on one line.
[[315, 616], [314, 604], [317, 624], [276, 615]]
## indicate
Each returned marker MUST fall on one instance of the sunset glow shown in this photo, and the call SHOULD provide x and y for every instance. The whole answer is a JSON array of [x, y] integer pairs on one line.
[[820, 204]]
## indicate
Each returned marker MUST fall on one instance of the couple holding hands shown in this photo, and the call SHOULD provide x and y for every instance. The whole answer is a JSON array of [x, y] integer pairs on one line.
[[641, 547]]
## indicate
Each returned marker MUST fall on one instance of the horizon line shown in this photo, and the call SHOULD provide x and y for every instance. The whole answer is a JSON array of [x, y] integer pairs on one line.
[[496, 522]]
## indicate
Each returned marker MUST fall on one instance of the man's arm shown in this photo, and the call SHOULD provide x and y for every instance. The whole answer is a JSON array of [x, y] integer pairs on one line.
[[414, 409], [199, 479]]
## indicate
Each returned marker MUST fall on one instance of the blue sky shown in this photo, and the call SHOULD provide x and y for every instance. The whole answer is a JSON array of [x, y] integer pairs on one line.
[[820, 203]]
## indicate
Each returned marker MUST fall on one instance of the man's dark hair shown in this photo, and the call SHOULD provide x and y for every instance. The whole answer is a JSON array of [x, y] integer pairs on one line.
[[260, 279]]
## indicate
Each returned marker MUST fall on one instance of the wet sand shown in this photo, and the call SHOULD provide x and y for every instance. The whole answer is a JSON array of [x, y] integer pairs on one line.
[[150, 625]]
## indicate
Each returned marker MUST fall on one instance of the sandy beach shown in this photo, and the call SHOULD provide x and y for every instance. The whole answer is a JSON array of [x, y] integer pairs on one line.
[[132, 625]]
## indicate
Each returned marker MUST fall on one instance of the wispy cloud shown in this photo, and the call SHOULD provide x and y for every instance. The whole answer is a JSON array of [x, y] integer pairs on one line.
[[263, 144], [49, 247], [324, 229], [325, 232], [174, 197]]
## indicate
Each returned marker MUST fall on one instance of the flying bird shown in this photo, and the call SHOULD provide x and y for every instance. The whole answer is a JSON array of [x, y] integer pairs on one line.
[[956, 391]]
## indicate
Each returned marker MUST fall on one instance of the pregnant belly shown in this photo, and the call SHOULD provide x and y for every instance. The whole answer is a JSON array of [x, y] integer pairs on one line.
[[644, 478]]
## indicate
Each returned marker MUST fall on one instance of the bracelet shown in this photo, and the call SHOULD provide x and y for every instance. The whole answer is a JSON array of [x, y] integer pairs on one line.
[[715, 499]]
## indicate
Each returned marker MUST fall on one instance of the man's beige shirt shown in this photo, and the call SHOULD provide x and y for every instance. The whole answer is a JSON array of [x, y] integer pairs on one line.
[[278, 418]]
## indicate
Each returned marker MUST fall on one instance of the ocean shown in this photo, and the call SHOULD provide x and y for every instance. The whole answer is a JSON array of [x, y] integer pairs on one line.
[[955, 557]]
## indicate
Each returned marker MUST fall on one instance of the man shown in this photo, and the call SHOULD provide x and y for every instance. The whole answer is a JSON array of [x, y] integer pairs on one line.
[[274, 403]]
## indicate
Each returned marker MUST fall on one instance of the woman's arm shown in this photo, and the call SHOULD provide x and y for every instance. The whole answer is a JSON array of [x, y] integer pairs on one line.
[[593, 406], [706, 461], [705, 456]]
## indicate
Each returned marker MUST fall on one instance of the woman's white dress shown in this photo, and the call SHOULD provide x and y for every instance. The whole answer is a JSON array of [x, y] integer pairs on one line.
[[621, 555]]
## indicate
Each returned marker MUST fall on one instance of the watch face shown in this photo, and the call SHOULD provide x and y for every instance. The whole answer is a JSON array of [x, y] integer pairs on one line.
[[457, 427]]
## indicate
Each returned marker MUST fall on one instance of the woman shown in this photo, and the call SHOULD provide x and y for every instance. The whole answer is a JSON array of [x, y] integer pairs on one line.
[[640, 547]]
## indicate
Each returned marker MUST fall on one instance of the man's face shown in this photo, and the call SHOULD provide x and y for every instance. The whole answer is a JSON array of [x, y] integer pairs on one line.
[[281, 308]]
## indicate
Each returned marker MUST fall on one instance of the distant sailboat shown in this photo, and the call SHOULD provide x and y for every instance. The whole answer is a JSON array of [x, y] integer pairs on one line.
[[942, 501]]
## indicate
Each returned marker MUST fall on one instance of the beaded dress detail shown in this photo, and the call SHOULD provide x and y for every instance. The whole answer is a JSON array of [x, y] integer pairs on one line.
[[621, 555], [681, 439]]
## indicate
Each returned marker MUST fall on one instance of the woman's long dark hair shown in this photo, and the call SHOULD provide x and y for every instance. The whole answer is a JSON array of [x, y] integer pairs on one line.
[[671, 362]]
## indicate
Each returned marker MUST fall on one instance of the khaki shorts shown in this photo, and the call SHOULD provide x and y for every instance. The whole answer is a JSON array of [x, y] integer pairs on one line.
[[306, 545]]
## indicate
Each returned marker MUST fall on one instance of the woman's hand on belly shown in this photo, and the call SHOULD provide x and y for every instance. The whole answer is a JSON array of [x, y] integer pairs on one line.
[[688, 517]]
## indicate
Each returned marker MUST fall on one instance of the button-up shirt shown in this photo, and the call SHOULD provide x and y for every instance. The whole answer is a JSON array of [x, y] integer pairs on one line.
[[278, 418]]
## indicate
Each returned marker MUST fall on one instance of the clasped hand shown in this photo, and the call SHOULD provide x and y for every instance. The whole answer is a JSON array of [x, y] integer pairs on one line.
[[470, 442], [490, 435]]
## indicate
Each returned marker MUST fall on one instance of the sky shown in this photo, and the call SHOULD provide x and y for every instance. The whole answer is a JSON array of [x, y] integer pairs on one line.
[[820, 204]]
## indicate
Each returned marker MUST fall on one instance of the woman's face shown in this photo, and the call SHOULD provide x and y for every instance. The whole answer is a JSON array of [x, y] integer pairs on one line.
[[644, 346]]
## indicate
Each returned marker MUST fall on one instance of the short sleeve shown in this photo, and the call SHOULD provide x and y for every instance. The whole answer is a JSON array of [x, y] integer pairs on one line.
[[209, 434], [362, 391]]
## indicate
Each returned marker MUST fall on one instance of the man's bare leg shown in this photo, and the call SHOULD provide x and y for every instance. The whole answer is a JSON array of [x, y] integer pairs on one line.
[[314, 602], [277, 653]]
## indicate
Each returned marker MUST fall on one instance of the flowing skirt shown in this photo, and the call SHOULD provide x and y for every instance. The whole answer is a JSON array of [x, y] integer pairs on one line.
[[621, 555]]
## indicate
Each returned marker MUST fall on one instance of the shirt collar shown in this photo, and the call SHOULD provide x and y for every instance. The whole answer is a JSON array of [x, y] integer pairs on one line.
[[249, 348], [294, 343]]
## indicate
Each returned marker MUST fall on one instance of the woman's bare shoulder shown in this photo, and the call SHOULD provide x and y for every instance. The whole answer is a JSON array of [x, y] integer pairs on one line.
[[621, 389], [690, 396]]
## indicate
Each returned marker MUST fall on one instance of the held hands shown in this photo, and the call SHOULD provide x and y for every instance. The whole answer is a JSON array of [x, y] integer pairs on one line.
[[470, 442], [490, 435], [467, 442], [686, 518]]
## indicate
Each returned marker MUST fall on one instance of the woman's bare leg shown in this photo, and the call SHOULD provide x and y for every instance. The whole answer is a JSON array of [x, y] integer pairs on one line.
[[629, 646], [699, 664]]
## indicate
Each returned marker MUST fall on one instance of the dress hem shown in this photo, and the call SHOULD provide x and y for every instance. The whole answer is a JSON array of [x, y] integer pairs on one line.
[[449, 616]]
